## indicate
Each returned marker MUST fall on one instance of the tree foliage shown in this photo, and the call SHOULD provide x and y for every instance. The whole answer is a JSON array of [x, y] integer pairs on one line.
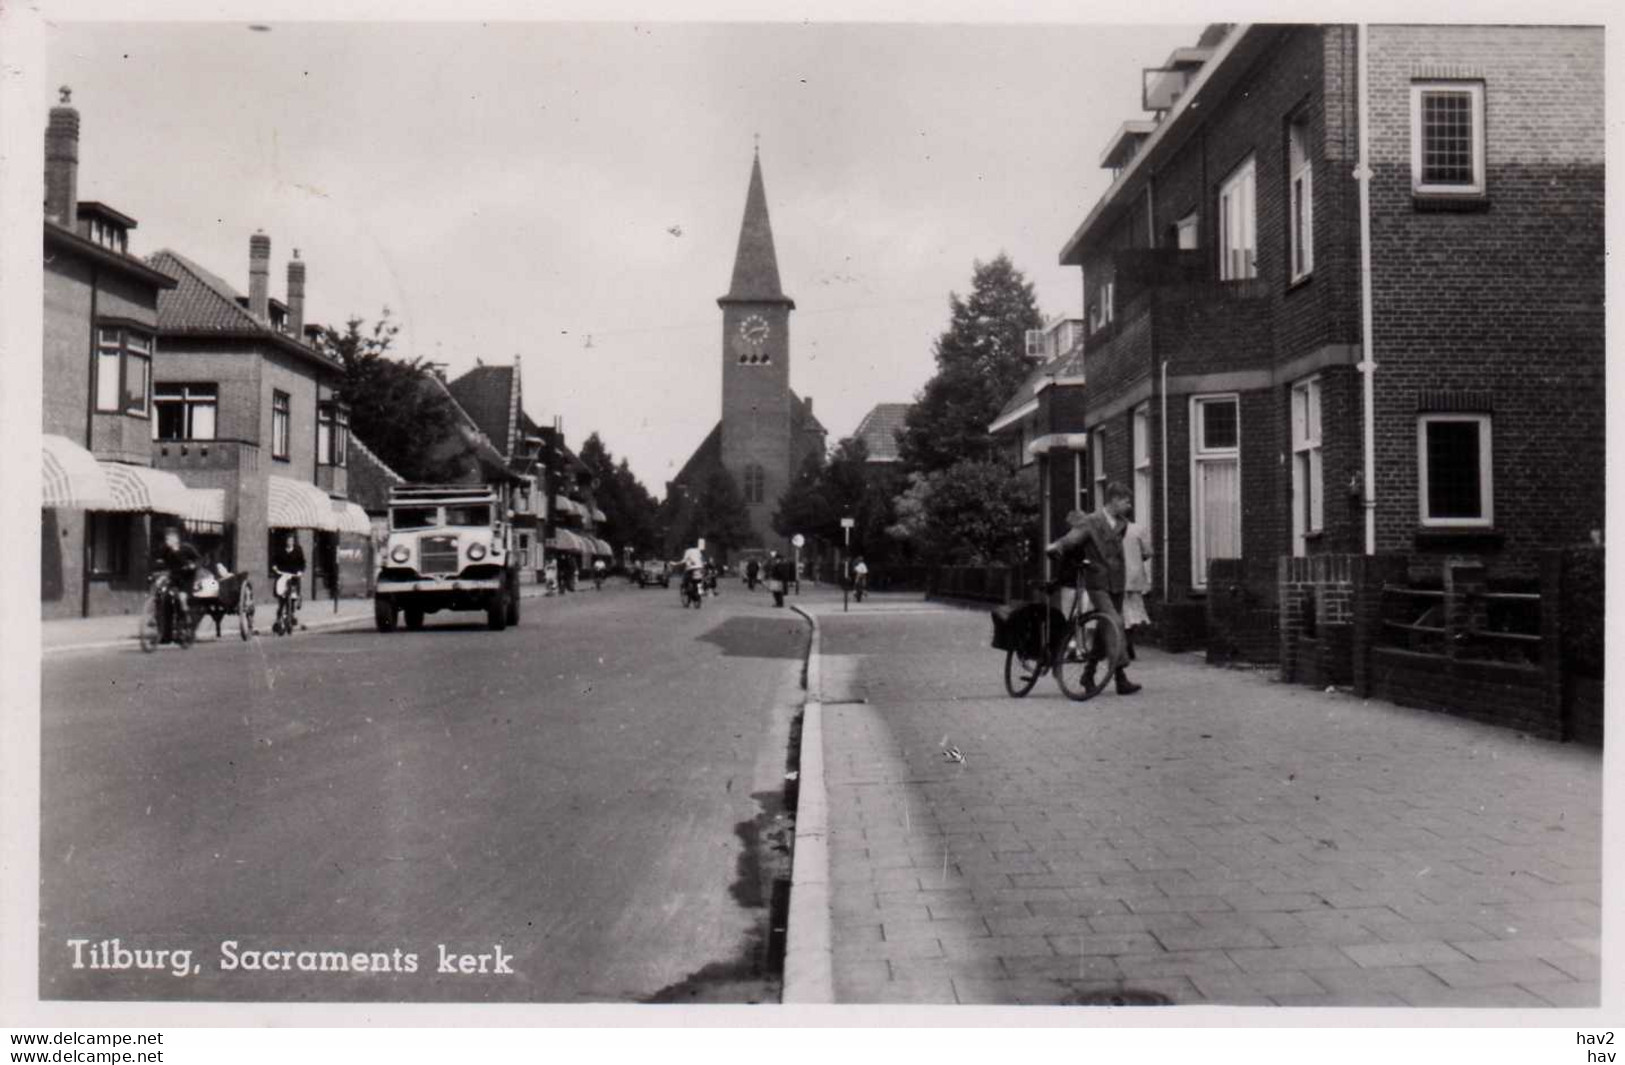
[[981, 361], [630, 512], [715, 512], [975, 512], [393, 408], [846, 485]]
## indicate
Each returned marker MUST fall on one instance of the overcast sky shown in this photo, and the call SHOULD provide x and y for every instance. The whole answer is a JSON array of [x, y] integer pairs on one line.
[[571, 193]]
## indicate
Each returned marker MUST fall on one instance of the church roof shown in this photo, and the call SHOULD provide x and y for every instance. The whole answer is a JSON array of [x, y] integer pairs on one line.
[[879, 428], [756, 266], [706, 457]]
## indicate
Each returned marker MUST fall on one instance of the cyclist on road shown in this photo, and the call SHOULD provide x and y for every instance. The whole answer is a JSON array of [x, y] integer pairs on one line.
[[288, 569], [1097, 539], [860, 577], [695, 564], [180, 561], [598, 569]]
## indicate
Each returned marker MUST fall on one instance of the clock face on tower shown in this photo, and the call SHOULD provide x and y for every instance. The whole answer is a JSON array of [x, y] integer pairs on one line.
[[755, 329]]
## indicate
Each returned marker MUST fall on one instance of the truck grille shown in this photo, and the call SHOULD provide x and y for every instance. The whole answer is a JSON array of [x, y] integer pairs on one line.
[[437, 554]]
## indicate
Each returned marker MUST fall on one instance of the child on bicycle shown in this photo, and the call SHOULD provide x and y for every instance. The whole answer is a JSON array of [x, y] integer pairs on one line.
[[1097, 541]]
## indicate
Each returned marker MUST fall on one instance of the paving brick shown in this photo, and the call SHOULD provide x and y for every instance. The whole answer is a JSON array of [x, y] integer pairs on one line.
[[1213, 938], [1569, 994], [1399, 980], [1580, 967], [1046, 925], [1275, 959], [1377, 955], [1104, 943], [1505, 996], [1354, 999], [948, 968], [1182, 904], [1245, 988], [1011, 992], [1141, 922], [1508, 949], [1071, 967], [996, 946], [1175, 963]]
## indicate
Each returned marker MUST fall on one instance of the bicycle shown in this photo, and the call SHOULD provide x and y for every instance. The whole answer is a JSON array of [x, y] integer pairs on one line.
[[162, 618], [287, 604], [1073, 647], [692, 591]]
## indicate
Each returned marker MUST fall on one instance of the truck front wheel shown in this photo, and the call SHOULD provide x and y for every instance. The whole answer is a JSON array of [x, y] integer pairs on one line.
[[496, 613], [383, 614]]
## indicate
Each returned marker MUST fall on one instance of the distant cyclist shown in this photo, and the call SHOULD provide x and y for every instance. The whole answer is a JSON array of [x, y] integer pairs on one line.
[[180, 561], [695, 564]]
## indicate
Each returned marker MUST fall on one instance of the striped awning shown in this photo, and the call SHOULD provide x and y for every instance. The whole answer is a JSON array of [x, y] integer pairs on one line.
[[142, 488], [297, 505], [351, 518], [71, 477], [206, 505], [598, 515], [565, 540], [604, 548]]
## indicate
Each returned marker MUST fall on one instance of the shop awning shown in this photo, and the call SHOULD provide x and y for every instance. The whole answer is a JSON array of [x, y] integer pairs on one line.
[[206, 505], [351, 518], [297, 505], [142, 488], [565, 540], [604, 548], [598, 515], [71, 477]]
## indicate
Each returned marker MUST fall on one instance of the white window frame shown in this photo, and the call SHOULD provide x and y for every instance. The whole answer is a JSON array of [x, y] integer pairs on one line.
[[1079, 492], [1187, 225], [1097, 466], [1141, 421], [1238, 223], [1308, 469], [1199, 455], [281, 426], [1486, 470], [192, 397], [1475, 90], [1300, 201]]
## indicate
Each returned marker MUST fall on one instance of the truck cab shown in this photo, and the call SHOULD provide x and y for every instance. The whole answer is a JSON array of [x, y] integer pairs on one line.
[[450, 547]]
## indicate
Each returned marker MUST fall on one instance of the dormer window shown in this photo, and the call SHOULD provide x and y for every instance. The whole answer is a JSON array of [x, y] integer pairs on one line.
[[100, 224]]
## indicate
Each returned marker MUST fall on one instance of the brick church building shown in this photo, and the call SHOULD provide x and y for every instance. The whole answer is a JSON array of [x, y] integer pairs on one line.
[[766, 431]]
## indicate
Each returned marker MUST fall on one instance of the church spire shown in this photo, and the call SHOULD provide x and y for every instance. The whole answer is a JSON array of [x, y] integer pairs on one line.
[[756, 266]]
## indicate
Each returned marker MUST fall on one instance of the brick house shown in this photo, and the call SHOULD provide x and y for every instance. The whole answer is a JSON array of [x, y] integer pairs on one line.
[[103, 503], [553, 504], [247, 407], [1224, 293]]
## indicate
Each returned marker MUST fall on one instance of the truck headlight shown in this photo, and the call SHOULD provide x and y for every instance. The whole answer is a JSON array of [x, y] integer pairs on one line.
[[476, 552], [399, 553]]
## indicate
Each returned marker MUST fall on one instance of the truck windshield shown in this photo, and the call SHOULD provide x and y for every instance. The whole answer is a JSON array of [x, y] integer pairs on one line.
[[472, 514], [413, 517]]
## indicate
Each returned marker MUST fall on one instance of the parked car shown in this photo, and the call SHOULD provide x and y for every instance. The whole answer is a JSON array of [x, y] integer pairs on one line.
[[652, 571]]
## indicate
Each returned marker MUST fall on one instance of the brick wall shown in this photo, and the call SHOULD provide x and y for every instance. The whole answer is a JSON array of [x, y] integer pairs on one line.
[[1505, 296]]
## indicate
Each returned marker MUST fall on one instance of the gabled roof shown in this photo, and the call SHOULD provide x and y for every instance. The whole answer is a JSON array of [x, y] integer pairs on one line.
[[756, 265], [878, 430], [202, 304], [370, 478], [488, 394], [59, 238], [806, 420], [1025, 399], [706, 457]]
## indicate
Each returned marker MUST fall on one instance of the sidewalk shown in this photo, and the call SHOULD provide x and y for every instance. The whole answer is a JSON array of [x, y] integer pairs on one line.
[[119, 630], [1218, 839]]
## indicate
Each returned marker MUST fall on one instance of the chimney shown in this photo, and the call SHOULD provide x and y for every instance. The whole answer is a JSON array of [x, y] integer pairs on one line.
[[259, 276], [62, 163], [296, 296]]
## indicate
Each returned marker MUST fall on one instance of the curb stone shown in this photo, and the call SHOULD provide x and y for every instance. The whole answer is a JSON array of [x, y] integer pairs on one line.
[[809, 957]]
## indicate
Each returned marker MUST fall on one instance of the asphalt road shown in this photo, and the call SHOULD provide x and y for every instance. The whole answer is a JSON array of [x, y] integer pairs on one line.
[[589, 800]]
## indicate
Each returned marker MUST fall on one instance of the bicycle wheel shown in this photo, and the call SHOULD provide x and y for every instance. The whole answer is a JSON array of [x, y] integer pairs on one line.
[[245, 611], [183, 624], [149, 631], [1083, 664], [1021, 672]]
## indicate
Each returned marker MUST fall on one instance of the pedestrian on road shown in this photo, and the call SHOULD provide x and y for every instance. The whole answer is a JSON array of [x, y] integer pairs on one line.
[[1097, 539], [779, 572], [1137, 555], [751, 570]]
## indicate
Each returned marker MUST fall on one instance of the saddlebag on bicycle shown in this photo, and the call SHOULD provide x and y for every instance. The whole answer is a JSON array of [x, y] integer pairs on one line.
[[1020, 627]]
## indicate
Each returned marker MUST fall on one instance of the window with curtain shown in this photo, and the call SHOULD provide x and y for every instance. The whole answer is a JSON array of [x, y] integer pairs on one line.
[[280, 413], [1215, 482], [1142, 465], [1308, 478], [185, 411], [1238, 224], [1300, 200]]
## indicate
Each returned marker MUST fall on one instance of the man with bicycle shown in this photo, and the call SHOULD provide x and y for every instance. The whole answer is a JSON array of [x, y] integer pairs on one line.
[[1097, 541]]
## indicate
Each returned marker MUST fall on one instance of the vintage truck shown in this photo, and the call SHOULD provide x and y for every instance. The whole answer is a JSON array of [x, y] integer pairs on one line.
[[450, 547]]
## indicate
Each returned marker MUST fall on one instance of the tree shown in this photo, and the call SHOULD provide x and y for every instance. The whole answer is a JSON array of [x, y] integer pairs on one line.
[[975, 512], [394, 409], [846, 485], [716, 513], [981, 361], [629, 509]]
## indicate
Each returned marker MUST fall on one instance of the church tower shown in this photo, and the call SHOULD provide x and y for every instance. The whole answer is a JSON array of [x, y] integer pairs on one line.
[[760, 416]]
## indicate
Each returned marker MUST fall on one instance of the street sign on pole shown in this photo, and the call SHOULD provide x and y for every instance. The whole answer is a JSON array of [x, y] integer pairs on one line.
[[848, 523], [797, 540]]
